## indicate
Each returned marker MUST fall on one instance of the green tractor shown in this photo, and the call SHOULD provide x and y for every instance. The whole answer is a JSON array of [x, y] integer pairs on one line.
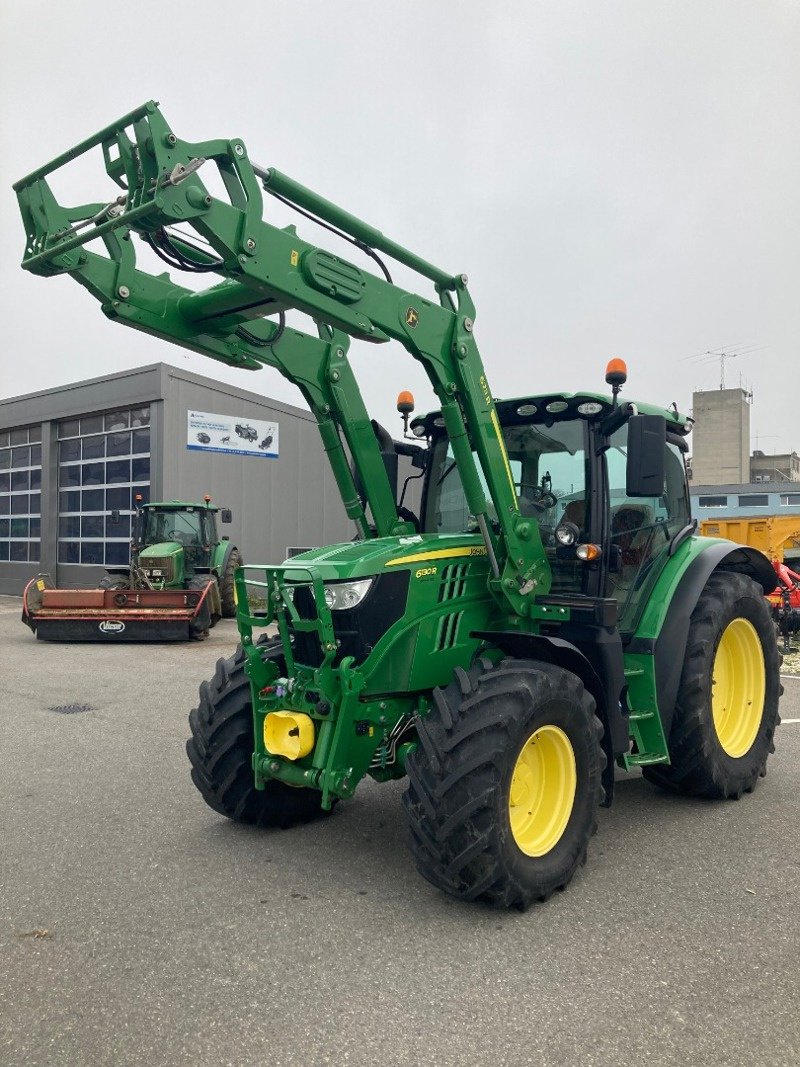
[[176, 546], [546, 615]]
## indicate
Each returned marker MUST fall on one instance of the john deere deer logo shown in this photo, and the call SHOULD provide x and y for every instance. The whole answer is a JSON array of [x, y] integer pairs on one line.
[[412, 318]]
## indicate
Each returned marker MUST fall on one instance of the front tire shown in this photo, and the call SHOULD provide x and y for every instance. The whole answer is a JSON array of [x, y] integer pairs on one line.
[[221, 748], [505, 784], [727, 705]]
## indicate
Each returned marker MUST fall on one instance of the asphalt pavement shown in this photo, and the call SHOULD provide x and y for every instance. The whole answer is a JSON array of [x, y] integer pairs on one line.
[[139, 927]]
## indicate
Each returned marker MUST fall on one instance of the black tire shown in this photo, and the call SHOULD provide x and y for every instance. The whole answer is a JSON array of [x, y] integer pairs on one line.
[[457, 803], [226, 584], [700, 765], [221, 747]]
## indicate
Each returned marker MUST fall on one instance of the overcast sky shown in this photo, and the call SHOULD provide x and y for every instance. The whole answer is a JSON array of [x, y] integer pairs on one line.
[[617, 179]]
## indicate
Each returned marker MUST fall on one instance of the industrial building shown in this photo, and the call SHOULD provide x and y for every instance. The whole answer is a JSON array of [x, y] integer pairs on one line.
[[721, 436], [727, 482], [777, 467], [71, 455]]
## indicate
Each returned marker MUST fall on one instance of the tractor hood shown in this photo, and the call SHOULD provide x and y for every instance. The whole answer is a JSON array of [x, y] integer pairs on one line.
[[362, 559], [161, 550]]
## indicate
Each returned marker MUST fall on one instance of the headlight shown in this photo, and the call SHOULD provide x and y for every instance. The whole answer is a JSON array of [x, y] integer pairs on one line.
[[340, 596], [567, 533]]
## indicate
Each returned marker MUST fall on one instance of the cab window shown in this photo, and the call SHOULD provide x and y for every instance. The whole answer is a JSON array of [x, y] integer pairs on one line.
[[184, 527]]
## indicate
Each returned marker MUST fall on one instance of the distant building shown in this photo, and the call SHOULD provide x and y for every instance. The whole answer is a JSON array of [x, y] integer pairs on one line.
[[69, 456], [776, 468], [721, 437], [751, 498]]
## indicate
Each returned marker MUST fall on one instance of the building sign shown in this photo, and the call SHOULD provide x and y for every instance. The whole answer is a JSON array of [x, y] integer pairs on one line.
[[236, 436]]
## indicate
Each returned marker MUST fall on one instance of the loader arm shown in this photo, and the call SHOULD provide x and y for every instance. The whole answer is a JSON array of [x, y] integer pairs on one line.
[[266, 271]]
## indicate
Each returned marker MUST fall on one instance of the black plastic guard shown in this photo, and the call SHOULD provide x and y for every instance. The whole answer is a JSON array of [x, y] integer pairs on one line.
[[112, 631]]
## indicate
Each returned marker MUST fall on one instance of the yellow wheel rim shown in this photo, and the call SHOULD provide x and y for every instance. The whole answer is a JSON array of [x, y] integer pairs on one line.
[[542, 792], [738, 687]]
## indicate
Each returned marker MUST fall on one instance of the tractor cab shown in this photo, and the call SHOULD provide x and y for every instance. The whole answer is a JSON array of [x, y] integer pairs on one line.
[[175, 541], [574, 461]]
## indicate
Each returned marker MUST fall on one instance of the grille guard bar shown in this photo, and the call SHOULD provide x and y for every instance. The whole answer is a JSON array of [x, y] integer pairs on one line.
[[279, 585]]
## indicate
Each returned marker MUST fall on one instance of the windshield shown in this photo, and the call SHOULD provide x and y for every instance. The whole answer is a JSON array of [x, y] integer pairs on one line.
[[182, 526], [548, 466]]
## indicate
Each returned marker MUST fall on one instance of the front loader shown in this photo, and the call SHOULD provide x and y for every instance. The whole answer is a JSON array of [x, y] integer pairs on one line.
[[548, 613]]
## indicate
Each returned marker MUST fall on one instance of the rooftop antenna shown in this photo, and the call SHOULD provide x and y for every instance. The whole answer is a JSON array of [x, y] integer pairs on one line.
[[722, 357], [723, 354], [758, 437]]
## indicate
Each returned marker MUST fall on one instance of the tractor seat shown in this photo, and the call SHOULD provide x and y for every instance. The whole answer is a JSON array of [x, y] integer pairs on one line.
[[575, 512], [630, 530]]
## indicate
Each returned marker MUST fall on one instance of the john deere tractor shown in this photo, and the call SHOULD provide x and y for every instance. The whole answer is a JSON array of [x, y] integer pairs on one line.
[[547, 613], [176, 546]]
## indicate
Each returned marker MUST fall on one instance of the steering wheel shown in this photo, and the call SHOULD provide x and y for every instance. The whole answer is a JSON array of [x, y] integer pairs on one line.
[[540, 498]]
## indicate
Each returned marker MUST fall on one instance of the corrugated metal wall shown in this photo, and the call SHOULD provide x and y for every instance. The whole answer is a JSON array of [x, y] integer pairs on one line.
[[277, 503]]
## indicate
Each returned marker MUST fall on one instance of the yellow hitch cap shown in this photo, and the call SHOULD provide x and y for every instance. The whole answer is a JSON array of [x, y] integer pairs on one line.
[[289, 734]]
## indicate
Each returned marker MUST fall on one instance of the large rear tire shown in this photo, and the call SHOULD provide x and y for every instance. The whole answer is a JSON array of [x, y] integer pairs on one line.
[[221, 748], [727, 705], [226, 584], [505, 784]]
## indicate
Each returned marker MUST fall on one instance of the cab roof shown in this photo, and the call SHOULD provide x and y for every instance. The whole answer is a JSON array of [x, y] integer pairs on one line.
[[539, 409], [174, 505]]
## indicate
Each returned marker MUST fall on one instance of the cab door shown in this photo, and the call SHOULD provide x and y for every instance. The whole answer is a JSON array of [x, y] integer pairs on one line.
[[640, 529]]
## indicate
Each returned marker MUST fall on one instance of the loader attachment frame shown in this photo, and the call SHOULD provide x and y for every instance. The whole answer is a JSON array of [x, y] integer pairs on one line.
[[265, 271]]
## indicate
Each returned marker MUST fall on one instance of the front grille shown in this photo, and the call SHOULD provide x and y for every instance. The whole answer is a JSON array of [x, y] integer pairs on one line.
[[164, 565], [358, 630]]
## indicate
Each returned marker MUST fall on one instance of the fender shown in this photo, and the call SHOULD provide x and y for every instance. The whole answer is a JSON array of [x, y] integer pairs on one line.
[[604, 679], [229, 547], [666, 641]]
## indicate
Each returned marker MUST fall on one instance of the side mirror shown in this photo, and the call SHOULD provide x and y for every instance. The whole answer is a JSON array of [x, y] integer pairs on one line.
[[226, 515], [115, 516], [647, 440]]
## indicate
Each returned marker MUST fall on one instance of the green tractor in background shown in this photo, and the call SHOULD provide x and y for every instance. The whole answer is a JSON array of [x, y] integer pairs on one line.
[[175, 545], [549, 613]]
